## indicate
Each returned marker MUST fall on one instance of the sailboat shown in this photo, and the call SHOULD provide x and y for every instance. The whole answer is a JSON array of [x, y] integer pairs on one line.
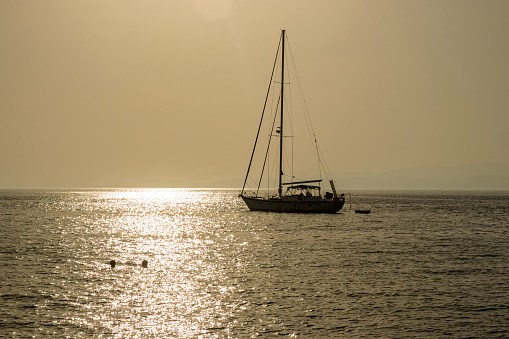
[[292, 195]]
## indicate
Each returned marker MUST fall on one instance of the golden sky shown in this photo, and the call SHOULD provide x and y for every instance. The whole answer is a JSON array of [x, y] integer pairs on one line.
[[168, 93]]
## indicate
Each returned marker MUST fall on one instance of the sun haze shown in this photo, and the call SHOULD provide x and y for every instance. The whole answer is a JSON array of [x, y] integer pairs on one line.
[[168, 93]]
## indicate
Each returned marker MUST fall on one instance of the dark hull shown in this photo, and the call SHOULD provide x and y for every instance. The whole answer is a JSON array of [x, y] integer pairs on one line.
[[292, 206]]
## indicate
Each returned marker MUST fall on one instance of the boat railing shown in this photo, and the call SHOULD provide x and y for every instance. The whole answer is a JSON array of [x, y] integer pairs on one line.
[[259, 194]]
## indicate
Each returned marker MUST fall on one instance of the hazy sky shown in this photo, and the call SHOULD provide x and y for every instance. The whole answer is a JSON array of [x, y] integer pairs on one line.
[[168, 93]]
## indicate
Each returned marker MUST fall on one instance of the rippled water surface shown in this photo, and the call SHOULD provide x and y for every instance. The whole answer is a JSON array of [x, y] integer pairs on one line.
[[422, 264]]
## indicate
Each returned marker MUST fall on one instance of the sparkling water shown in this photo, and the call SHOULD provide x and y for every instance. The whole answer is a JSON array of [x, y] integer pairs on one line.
[[421, 264]]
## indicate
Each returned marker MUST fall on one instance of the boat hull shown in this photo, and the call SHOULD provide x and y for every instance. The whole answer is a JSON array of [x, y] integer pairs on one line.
[[293, 205]]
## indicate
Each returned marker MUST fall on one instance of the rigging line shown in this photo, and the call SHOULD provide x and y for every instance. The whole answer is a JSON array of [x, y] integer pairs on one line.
[[272, 174], [289, 110], [306, 111], [325, 166], [270, 168], [291, 167], [290, 118], [266, 165], [301, 91], [263, 112], [251, 181], [268, 147]]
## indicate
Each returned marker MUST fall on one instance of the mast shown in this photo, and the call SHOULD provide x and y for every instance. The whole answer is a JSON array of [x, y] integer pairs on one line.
[[280, 189]]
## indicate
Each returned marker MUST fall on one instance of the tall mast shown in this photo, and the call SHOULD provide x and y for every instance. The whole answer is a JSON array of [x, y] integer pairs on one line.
[[280, 189]]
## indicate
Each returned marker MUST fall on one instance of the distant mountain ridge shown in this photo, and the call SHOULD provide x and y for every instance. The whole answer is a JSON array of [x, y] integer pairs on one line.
[[477, 176]]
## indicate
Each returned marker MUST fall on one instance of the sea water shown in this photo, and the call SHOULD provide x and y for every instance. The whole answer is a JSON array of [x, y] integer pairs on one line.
[[422, 264]]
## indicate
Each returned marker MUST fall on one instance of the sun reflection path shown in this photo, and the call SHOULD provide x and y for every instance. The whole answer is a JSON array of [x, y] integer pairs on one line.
[[187, 289]]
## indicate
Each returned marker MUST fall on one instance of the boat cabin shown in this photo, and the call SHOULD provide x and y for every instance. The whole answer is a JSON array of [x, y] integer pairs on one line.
[[305, 193], [303, 190]]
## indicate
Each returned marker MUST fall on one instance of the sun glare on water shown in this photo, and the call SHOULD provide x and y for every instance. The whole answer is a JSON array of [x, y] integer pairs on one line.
[[157, 212], [172, 194], [183, 291]]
